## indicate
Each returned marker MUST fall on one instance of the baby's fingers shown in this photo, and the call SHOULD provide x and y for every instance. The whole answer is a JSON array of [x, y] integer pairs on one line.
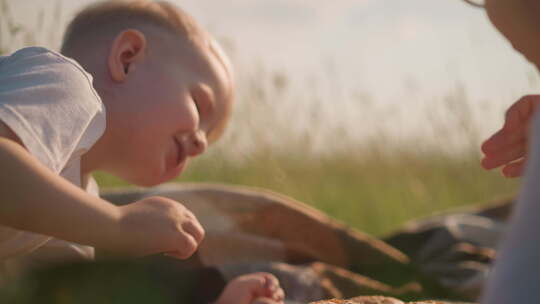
[[194, 229], [185, 247], [279, 295], [272, 287]]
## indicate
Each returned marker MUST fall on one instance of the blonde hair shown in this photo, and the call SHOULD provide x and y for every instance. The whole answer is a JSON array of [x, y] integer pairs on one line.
[[107, 19]]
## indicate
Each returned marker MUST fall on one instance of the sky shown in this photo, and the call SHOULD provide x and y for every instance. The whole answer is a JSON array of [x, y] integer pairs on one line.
[[399, 52]]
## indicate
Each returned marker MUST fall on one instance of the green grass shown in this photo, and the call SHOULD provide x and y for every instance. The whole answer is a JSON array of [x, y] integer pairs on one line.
[[371, 192]]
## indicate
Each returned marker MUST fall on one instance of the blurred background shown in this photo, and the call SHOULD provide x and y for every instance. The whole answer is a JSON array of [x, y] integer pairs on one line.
[[369, 110]]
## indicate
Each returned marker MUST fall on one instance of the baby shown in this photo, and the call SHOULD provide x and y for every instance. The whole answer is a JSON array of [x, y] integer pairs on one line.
[[138, 90]]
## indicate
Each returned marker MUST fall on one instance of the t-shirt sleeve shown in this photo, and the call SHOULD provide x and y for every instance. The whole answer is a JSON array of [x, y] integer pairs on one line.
[[48, 100]]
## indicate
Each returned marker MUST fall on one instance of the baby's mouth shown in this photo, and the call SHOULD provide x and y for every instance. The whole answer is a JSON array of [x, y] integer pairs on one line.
[[181, 154]]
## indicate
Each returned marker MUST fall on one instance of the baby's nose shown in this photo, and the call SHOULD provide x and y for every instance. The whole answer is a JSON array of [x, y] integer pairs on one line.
[[196, 143]]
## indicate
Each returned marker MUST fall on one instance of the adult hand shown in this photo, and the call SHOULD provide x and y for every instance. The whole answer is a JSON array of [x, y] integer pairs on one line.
[[159, 225], [508, 146]]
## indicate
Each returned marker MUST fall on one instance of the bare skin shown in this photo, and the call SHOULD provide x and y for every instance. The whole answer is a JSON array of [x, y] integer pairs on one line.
[[174, 103], [160, 108], [255, 288], [148, 144], [166, 99], [171, 130], [507, 148], [150, 226]]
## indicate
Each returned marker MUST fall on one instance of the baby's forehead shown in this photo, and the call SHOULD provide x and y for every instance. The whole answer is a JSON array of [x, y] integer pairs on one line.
[[220, 73], [200, 60], [224, 74], [211, 64], [111, 17], [222, 58]]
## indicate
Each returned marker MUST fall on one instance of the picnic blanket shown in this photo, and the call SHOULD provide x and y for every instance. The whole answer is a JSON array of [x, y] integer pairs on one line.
[[249, 230], [314, 256]]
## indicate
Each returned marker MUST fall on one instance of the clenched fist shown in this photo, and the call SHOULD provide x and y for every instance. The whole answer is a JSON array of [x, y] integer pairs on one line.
[[159, 225]]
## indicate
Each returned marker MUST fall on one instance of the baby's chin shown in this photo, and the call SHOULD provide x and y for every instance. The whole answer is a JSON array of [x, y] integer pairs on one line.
[[172, 173], [157, 177]]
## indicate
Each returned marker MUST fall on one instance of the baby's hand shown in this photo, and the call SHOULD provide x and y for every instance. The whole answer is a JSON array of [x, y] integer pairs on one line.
[[159, 225], [254, 288], [508, 146]]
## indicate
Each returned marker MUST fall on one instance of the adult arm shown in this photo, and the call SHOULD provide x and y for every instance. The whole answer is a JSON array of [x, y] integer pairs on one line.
[[517, 270]]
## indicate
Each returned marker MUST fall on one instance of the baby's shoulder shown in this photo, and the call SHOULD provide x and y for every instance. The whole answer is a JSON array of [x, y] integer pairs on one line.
[[34, 62], [47, 73], [39, 56]]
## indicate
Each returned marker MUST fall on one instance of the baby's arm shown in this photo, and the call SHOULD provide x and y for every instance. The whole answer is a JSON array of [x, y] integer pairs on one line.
[[35, 199], [517, 269]]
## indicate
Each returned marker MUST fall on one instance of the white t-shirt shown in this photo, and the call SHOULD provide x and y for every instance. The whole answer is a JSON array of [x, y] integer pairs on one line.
[[49, 101]]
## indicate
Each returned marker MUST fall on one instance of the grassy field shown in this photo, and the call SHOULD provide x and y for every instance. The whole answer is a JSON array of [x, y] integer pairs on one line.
[[373, 193], [364, 172]]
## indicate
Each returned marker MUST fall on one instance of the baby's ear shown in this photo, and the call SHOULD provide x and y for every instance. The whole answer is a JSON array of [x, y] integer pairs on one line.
[[128, 49]]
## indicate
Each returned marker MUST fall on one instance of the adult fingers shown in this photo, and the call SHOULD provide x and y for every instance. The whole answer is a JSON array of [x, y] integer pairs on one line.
[[521, 111], [504, 157], [503, 139], [516, 124], [514, 169]]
